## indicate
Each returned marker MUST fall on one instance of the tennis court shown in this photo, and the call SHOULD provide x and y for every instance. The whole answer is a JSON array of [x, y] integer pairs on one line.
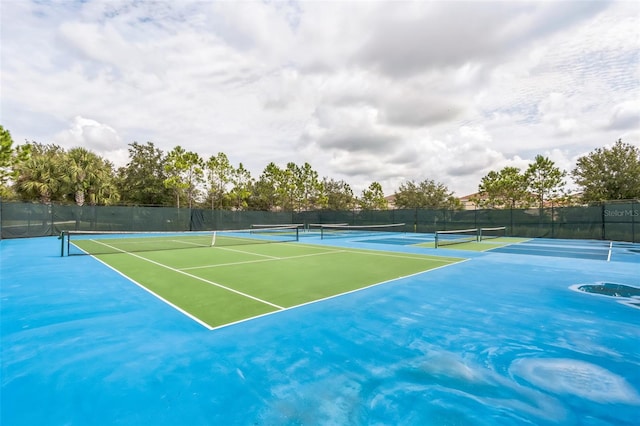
[[356, 331], [227, 277]]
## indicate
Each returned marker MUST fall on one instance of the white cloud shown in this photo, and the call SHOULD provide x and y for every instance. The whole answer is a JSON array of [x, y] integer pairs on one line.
[[90, 134], [556, 110], [95, 136], [363, 91], [625, 116]]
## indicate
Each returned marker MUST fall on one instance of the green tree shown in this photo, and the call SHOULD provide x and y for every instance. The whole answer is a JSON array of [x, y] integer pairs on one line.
[[42, 175], [6, 156], [288, 189], [309, 188], [141, 181], [262, 196], [104, 191], [266, 191], [219, 172], [544, 179], [84, 173], [194, 176], [609, 173], [339, 194], [506, 188], [9, 158], [184, 171], [427, 194], [242, 184], [292, 188], [373, 198]]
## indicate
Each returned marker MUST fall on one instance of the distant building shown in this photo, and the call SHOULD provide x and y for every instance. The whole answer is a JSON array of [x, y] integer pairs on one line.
[[469, 202], [391, 201]]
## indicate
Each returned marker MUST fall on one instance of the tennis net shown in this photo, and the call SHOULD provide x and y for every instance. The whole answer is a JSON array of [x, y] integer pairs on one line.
[[458, 236], [494, 232], [345, 231], [105, 242], [258, 226]]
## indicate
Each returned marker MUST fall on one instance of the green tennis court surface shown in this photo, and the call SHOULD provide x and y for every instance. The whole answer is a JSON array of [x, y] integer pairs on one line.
[[219, 285], [482, 245]]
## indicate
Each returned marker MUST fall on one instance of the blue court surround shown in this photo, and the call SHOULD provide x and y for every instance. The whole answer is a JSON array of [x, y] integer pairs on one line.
[[500, 339]]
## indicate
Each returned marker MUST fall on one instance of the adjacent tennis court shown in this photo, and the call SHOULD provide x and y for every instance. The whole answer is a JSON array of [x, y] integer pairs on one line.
[[302, 326], [492, 239]]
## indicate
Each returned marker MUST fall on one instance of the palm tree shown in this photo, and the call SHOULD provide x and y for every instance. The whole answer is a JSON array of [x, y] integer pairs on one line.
[[82, 171], [41, 176], [102, 188]]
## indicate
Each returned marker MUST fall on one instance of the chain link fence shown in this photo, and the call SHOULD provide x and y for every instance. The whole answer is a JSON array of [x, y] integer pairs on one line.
[[619, 221]]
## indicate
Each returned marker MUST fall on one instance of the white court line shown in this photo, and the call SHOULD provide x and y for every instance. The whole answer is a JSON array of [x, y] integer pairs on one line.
[[259, 260], [415, 256], [527, 250], [244, 262], [609, 255], [280, 308], [507, 244], [244, 252], [339, 294], [176, 307], [196, 277], [190, 243]]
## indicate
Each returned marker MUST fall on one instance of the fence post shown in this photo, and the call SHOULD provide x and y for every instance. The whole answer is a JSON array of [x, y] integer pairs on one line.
[[475, 218], [633, 221], [553, 221], [604, 232], [51, 221], [510, 233]]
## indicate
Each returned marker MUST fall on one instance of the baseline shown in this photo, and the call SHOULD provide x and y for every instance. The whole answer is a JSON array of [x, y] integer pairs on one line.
[[333, 296]]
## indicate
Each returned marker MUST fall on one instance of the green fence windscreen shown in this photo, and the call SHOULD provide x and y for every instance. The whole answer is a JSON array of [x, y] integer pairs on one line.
[[610, 221]]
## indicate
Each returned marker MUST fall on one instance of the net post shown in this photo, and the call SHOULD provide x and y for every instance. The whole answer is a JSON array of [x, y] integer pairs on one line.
[[61, 238]]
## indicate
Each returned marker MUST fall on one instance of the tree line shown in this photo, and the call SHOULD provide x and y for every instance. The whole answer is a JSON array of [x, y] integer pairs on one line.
[[605, 174], [48, 173]]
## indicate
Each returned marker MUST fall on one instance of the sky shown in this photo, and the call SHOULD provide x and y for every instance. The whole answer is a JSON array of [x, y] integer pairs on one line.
[[364, 91]]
